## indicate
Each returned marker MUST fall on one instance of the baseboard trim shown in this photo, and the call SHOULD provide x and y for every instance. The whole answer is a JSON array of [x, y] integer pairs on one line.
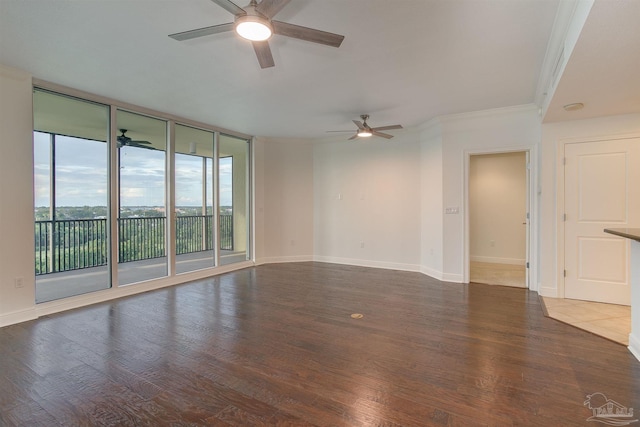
[[450, 277], [283, 259], [496, 260], [368, 263], [18, 317], [432, 273], [546, 291], [634, 345]]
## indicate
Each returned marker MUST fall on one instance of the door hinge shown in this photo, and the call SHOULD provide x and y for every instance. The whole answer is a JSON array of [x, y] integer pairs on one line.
[[564, 217], [528, 217], [565, 273], [564, 161], [527, 264]]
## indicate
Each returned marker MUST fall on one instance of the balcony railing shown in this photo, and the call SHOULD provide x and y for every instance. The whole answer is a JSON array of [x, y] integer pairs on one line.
[[76, 244]]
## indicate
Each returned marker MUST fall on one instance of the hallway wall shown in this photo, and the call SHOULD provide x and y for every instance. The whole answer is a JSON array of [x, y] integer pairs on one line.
[[497, 208]]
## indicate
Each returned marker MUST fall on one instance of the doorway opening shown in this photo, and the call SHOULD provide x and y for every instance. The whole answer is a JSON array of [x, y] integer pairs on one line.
[[498, 218]]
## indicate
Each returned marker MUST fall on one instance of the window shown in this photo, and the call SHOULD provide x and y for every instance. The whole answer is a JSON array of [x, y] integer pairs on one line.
[[142, 226], [233, 176], [71, 195], [194, 195], [103, 194]]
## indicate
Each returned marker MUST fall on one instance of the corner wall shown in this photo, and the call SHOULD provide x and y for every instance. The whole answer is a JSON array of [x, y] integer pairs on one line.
[[16, 197], [431, 202], [284, 200]]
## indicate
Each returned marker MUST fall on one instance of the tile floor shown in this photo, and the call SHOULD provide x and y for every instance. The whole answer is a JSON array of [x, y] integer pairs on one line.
[[606, 320], [497, 274]]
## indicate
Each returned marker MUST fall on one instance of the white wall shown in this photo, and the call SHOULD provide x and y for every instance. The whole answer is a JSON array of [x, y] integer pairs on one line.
[[431, 214], [367, 202], [553, 137], [500, 130], [286, 201], [498, 208], [16, 197]]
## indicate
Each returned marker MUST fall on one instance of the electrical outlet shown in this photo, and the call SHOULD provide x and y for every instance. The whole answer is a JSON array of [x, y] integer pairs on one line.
[[18, 282], [361, 245]]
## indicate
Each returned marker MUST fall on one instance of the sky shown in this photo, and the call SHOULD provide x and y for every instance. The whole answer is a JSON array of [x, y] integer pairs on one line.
[[81, 175]]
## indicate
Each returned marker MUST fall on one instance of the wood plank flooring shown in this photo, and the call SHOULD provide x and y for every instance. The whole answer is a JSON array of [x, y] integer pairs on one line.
[[275, 345]]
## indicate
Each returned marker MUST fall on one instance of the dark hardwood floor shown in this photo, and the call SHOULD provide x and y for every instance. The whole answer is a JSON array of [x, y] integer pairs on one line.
[[275, 345]]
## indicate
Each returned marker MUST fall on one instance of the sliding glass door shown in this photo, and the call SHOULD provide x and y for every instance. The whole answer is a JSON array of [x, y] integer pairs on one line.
[[71, 196], [194, 195], [234, 208], [109, 212], [142, 219]]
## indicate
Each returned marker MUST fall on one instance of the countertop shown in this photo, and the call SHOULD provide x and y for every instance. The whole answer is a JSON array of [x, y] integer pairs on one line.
[[629, 233]]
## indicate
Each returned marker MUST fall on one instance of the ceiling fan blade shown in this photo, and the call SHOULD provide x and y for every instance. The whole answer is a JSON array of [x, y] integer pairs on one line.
[[148, 147], [359, 124], [270, 8], [263, 52], [342, 131], [353, 137], [230, 7], [140, 142], [201, 32], [308, 34], [384, 135], [388, 127]]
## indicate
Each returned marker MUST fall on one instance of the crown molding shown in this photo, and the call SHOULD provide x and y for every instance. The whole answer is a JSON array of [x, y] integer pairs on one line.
[[493, 112], [567, 26]]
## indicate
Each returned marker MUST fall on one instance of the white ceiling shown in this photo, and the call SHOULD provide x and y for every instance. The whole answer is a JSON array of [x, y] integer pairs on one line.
[[603, 72], [402, 61]]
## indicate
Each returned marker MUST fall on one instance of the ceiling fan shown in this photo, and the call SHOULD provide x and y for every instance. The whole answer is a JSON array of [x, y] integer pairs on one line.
[[366, 131], [125, 141], [254, 22]]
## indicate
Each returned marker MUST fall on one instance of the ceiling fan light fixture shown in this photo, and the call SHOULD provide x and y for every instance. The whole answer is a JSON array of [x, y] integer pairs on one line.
[[364, 133], [253, 28]]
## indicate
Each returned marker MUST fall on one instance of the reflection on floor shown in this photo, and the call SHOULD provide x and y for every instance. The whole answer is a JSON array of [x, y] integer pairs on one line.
[[54, 286], [498, 274], [610, 321]]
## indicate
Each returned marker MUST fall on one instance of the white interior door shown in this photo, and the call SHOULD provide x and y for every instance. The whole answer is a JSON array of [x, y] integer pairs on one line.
[[601, 191]]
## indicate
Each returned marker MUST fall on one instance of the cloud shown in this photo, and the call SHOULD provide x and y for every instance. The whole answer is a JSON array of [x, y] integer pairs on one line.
[[82, 170]]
